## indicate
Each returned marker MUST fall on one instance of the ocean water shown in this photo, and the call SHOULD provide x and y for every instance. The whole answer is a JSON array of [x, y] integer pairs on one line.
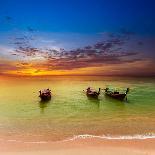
[[70, 114]]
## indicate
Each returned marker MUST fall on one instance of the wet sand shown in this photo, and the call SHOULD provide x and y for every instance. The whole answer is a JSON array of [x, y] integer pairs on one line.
[[90, 146]]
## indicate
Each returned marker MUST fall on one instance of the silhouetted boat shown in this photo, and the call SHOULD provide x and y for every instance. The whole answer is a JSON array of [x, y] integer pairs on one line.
[[92, 93], [45, 94], [116, 94]]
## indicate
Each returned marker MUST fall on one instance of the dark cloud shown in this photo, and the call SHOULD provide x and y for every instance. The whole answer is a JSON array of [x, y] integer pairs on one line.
[[27, 51], [22, 42], [106, 52], [88, 61]]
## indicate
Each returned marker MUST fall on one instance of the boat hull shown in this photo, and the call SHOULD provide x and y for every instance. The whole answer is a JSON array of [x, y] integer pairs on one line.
[[116, 96], [45, 98], [92, 95]]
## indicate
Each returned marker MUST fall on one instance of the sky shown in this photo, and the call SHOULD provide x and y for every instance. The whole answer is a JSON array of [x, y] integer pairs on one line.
[[77, 37]]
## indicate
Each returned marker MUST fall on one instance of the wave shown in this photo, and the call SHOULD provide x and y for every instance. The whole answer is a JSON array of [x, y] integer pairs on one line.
[[88, 136], [125, 137]]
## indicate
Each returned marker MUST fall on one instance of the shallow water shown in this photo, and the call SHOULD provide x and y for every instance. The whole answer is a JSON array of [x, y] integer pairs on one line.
[[70, 112]]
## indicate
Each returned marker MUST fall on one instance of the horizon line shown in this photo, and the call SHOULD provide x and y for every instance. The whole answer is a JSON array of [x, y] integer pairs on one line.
[[69, 75]]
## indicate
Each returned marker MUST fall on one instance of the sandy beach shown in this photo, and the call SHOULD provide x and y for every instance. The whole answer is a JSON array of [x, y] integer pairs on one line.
[[90, 146]]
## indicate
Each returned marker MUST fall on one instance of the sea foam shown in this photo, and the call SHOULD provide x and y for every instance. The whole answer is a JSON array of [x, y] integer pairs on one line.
[[127, 137], [88, 136]]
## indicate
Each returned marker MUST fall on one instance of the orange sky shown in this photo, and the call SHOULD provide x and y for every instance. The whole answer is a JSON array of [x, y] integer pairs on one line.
[[36, 68]]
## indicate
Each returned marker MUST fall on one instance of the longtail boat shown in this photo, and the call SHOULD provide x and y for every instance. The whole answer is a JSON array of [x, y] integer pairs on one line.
[[45, 94], [116, 94], [92, 93]]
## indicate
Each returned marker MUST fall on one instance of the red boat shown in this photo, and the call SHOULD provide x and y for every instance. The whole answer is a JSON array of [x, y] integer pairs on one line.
[[116, 94], [92, 93], [45, 94]]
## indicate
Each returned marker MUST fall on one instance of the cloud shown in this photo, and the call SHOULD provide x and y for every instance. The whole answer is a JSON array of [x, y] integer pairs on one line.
[[5, 51], [105, 52], [108, 52], [6, 66]]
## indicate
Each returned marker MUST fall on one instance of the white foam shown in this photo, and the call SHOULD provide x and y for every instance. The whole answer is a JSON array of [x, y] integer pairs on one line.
[[37, 142], [127, 137], [88, 136]]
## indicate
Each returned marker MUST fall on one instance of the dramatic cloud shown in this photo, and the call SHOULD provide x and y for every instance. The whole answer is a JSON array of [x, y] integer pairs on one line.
[[109, 56], [105, 52]]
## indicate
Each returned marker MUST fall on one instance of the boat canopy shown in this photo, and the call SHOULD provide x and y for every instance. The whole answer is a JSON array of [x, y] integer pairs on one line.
[[46, 91]]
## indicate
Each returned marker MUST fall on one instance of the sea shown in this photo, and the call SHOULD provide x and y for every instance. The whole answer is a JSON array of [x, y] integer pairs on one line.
[[70, 114]]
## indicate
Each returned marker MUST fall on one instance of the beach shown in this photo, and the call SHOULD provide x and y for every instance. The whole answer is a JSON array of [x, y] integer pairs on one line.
[[91, 146]]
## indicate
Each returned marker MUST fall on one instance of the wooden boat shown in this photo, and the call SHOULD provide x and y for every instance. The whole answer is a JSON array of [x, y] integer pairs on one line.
[[116, 94], [45, 94], [92, 93]]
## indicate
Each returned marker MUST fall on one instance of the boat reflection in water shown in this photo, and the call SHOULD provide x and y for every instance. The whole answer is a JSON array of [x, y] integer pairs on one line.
[[43, 104]]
